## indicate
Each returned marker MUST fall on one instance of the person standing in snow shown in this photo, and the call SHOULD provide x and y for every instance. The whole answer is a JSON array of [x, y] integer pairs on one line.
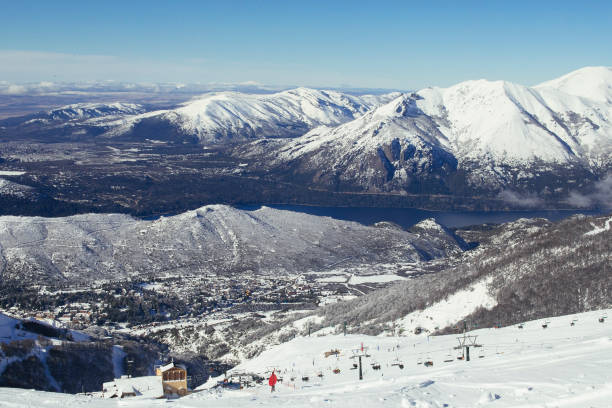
[[272, 381]]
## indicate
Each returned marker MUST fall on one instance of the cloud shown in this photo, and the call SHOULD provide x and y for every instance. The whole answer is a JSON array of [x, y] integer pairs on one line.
[[601, 196], [36, 72], [13, 89], [520, 200]]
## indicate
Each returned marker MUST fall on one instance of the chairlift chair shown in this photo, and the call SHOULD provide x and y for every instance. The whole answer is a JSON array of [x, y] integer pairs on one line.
[[429, 362], [449, 358], [397, 363], [481, 353], [419, 360]]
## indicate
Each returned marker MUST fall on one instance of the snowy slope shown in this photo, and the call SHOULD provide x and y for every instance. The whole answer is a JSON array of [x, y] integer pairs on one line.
[[223, 116], [562, 365], [214, 238], [10, 188], [589, 82], [80, 112], [514, 123]]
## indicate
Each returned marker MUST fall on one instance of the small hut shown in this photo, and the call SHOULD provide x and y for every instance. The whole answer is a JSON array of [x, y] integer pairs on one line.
[[174, 379], [150, 387]]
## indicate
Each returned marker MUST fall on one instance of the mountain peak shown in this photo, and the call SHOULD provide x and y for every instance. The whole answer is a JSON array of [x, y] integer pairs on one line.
[[589, 82]]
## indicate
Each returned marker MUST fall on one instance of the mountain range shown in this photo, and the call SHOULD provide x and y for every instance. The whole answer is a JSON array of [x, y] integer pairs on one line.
[[541, 146], [472, 137]]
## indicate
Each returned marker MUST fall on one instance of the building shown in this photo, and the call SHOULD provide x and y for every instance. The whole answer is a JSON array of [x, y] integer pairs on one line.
[[148, 387], [174, 379]]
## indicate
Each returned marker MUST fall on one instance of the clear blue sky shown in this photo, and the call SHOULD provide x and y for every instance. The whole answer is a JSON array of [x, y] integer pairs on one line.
[[404, 44]]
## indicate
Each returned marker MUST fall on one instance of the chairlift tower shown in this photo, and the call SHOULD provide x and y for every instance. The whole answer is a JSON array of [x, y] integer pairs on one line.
[[129, 368], [360, 353], [465, 342]]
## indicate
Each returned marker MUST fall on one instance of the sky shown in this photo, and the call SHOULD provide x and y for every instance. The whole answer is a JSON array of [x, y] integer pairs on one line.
[[370, 44]]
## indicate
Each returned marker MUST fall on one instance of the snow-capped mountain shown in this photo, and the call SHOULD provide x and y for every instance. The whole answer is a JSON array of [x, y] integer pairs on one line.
[[81, 111], [233, 116], [77, 112], [483, 134], [590, 82], [215, 239]]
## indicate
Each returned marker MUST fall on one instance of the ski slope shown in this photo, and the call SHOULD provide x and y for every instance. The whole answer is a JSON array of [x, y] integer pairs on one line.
[[560, 366]]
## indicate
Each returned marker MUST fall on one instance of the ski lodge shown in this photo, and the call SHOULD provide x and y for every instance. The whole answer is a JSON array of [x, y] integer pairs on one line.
[[174, 379]]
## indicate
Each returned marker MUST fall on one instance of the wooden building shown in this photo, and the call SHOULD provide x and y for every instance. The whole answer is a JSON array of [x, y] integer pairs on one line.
[[174, 379]]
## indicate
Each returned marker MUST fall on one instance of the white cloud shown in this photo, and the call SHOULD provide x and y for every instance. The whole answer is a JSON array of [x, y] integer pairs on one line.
[[34, 72], [601, 196], [520, 200]]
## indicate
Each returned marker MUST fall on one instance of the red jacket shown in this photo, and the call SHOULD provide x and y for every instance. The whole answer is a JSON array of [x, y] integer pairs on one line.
[[272, 380]]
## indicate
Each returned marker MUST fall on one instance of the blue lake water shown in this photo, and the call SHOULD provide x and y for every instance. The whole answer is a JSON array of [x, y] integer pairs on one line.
[[407, 217]]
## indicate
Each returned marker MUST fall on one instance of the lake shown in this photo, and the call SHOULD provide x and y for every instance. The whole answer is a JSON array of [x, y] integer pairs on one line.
[[407, 217]]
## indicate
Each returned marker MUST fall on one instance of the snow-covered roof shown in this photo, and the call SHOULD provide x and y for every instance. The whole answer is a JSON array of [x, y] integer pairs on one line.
[[166, 367], [149, 386], [171, 365]]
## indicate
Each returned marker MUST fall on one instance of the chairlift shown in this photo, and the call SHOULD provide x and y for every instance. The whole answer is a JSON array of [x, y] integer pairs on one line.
[[419, 360], [545, 324], [398, 363], [336, 370], [573, 323], [449, 358], [520, 326], [305, 378], [355, 366], [320, 374], [375, 366], [603, 318], [429, 362], [481, 353]]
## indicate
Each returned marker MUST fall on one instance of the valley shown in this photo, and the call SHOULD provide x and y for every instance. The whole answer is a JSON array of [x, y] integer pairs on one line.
[[216, 230]]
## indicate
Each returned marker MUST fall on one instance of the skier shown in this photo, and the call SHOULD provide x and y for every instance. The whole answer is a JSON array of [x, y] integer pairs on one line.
[[272, 381]]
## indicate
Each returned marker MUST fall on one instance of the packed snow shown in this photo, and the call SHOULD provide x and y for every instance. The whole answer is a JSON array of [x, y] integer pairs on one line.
[[565, 364]]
